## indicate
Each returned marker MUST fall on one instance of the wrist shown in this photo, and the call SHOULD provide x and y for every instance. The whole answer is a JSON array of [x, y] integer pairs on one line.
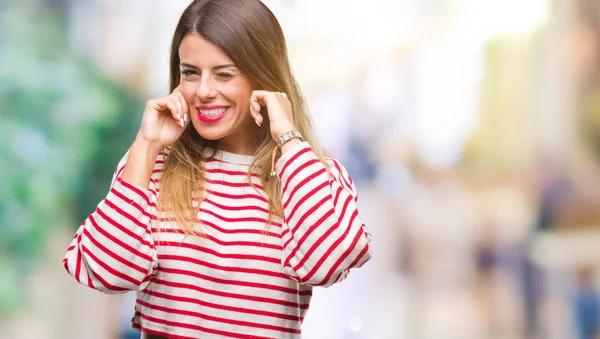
[[281, 130], [289, 145], [143, 145], [140, 163]]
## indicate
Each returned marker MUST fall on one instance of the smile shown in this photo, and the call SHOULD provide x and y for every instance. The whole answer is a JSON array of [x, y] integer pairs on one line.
[[211, 114]]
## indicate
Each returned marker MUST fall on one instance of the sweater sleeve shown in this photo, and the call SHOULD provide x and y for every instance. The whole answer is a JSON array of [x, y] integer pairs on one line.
[[113, 250], [323, 235]]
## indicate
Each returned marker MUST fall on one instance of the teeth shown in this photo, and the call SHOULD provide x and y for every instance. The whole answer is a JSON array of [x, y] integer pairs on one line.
[[213, 112]]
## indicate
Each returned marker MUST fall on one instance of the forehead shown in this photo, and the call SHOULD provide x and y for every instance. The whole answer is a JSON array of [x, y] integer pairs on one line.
[[196, 51]]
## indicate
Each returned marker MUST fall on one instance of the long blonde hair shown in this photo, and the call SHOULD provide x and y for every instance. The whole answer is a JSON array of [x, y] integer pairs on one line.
[[252, 37]]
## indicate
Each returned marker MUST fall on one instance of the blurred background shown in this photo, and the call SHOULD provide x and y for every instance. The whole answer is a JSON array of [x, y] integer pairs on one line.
[[471, 128]]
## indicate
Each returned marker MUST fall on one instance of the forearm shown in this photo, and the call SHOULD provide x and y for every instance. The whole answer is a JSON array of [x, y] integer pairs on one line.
[[323, 235], [140, 163], [113, 249]]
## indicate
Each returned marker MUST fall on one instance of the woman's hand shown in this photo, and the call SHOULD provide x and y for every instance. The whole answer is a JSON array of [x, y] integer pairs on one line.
[[280, 111], [164, 120]]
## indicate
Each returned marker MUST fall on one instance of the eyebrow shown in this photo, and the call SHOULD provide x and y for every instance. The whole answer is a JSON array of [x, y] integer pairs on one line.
[[214, 68]]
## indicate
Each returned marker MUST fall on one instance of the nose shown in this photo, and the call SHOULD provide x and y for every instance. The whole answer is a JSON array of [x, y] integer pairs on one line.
[[206, 89]]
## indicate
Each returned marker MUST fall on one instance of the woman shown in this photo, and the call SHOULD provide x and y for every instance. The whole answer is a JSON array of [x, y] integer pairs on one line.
[[224, 213]]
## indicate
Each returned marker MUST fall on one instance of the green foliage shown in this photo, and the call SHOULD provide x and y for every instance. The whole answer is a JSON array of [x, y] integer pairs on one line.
[[63, 128]]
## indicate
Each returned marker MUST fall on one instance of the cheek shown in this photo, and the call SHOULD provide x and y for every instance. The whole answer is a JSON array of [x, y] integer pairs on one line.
[[188, 91], [240, 91]]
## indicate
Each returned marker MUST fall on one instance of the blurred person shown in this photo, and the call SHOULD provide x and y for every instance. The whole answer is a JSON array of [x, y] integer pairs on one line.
[[224, 213], [587, 305], [553, 189]]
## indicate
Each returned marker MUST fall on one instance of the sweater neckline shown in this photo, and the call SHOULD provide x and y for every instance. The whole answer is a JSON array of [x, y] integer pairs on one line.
[[233, 158]]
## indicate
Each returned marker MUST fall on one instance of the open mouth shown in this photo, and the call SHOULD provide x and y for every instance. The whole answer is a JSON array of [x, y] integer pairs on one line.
[[212, 113]]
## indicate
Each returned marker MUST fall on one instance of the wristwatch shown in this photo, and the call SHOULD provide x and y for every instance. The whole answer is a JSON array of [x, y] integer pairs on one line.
[[287, 136]]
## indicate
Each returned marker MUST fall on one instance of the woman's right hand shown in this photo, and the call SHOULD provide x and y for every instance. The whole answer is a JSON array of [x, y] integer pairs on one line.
[[164, 120]]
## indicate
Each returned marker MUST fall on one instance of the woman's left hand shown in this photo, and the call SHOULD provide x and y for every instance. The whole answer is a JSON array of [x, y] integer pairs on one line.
[[279, 108]]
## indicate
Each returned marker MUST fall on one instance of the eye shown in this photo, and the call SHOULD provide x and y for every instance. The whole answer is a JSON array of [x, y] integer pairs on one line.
[[187, 73], [224, 75]]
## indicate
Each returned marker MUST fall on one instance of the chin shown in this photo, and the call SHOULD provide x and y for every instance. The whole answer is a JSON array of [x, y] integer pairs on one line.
[[211, 133]]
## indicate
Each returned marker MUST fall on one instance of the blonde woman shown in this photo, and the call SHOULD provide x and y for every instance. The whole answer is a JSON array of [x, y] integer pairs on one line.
[[224, 213]]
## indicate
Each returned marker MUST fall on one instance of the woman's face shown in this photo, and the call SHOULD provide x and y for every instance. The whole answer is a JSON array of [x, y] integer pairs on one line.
[[218, 95]]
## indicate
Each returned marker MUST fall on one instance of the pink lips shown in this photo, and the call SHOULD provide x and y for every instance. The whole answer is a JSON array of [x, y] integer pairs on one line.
[[211, 119]]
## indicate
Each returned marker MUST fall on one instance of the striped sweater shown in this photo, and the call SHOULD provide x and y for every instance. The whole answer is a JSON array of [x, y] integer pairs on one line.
[[241, 280]]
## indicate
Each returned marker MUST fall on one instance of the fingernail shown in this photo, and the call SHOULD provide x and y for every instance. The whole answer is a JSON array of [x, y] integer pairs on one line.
[[185, 118], [256, 121], [181, 122]]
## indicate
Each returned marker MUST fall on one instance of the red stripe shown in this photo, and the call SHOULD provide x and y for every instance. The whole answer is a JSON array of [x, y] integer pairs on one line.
[[128, 201], [310, 229], [244, 230], [106, 218], [342, 177], [359, 257], [134, 189], [78, 264], [234, 295], [244, 243], [220, 255], [237, 208], [180, 299], [90, 283], [217, 228], [124, 245], [196, 327], [241, 220], [339, 277], [344, 255], [237, 196], [119, 171], [185, 259], [290, 177], [234, 322], [66, 266], [113, 254], [338, 193], [235, 173], [314, 246], [306, 197], [229, 281], [297, 224], [127, 215], [108, 269], [294, 157], [301, 184], [234, 184]]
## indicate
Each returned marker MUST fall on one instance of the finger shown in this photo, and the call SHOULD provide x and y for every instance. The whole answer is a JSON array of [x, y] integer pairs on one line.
[[255, 108], [166, 104], [185, 107], [261, 97], [258, 118], [178, 107]]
